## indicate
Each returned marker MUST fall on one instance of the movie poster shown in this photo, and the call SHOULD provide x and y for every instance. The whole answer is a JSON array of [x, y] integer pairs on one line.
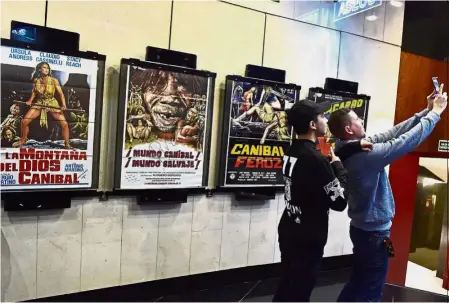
[[165, 128], [257, 134], [47, 119], [358, 103]]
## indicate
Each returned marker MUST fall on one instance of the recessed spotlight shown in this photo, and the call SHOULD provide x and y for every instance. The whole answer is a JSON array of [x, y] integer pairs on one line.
[[396, 3]]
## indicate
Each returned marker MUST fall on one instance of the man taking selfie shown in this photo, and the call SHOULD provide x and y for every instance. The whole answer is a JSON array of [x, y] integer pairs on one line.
[[313, 185], [371, 202]]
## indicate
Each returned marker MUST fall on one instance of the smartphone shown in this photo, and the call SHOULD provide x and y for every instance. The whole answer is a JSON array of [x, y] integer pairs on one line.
[[436, 83]]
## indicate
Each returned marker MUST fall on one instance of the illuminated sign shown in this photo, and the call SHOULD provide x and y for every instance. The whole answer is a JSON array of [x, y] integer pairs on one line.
[[443, 146], [344, 9]]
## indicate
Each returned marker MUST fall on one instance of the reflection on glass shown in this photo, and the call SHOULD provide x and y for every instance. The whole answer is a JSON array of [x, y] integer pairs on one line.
[[380, 20], [424, 270]]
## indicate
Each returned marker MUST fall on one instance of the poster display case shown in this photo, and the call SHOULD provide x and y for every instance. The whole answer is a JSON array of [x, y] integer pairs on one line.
[[164, 126], [255, 131], [51, 106]]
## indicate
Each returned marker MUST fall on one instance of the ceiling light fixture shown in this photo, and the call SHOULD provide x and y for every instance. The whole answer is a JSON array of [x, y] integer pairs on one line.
[[396, 3], [372, 17]]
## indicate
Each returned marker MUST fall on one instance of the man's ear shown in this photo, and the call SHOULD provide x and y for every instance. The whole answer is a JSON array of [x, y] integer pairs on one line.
[[312, 125], [348, 130]]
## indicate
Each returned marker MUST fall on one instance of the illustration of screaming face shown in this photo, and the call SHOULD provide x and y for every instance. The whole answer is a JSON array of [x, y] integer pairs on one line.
[[167, 107]]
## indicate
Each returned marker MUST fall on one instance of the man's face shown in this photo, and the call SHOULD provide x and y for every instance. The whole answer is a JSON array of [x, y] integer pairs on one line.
[[191, 115], [15, 110], [321, 125], [9, 135], [355, 129], [168, 107]]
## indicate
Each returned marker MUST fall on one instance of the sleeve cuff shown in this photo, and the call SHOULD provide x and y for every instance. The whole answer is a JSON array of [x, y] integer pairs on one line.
[[337, 164], [422, 113], [433, 116]]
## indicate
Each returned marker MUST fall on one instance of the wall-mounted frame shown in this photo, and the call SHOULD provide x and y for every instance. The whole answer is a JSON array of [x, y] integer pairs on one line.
[[255, 132], [57, 148], [164, 126]]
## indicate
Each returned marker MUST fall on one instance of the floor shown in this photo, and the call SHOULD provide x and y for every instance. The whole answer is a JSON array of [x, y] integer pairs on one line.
[[419, 277], [327, 290], [425, 257]]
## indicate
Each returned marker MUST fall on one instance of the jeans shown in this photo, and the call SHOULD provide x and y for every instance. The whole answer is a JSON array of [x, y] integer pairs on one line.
[[370, 266]]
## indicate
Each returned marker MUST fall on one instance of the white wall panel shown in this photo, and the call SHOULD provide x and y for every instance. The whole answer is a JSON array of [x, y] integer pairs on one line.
[[139, 242], [282, 8], [225, 38], [26, 11], [262, 233], [235, 234], [336, 234], [394, 24], [206, 233], [308, 53], [101, 243], [19, 256], [174, 240], [375, 28], [120, 29], [59, 251], [281, 207], [205, 251], [376, 67]]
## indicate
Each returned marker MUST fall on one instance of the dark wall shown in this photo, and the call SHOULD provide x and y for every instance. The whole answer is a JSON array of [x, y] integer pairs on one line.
[[414, 85], [426, 29]]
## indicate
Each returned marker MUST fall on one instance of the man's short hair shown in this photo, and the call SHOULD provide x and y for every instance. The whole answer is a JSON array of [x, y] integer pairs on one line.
[[299, 120], [338, 120]]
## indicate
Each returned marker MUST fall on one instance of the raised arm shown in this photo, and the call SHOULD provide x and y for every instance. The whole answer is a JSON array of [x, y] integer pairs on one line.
[[385, 153], [406, 125], [399, 129]]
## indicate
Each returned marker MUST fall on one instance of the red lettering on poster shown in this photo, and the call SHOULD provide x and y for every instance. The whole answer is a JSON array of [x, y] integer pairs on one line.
[[258, 162]]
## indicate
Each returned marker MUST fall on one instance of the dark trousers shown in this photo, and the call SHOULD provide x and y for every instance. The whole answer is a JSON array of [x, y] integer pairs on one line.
[[370, 267], [300, 267]]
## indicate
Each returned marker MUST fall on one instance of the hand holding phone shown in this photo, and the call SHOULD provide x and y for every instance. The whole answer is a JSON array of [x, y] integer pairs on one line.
[[434, 94], [440, 101], [436, 84]]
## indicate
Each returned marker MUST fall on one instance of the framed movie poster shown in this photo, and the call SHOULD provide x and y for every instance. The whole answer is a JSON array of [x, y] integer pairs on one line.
[[358, 103], [164, 126], [255, 135], [50, 118]]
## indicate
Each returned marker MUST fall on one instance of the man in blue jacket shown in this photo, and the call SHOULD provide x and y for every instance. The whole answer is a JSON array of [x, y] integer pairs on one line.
[[370, 201]]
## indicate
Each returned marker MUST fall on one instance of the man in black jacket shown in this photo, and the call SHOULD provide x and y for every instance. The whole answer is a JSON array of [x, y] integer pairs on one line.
[[313, 185]]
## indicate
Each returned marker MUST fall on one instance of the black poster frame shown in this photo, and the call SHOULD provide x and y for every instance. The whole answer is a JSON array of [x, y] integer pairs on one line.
[[226, 109], [124, 65], [101, 59], [323, 91]]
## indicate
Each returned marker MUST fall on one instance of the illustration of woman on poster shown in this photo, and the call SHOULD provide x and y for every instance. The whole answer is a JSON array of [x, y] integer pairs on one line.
[[264, 110], [43, 94]]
